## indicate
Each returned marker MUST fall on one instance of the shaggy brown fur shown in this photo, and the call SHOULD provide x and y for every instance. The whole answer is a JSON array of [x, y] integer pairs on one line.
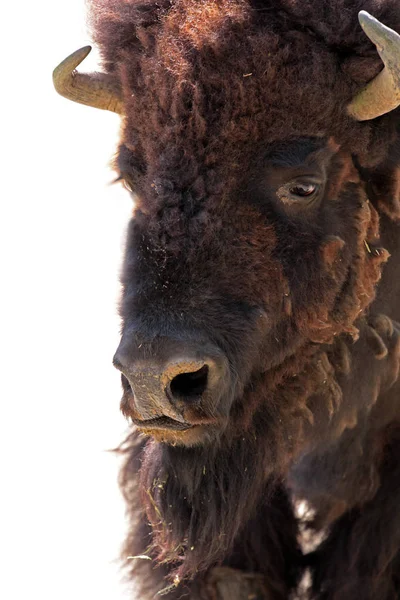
[[226, 102]]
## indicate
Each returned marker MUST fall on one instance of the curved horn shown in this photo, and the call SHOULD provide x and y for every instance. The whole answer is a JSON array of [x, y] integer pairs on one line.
[[93, 89], [382, 94]]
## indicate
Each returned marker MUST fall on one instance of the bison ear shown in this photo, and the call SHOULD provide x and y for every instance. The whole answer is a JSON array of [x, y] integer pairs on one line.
[[99, 90], [383, 187], [383, 182], [382, 94]]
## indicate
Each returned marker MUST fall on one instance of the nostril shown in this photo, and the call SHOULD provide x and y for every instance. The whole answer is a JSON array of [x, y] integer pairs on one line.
[[189, 386]]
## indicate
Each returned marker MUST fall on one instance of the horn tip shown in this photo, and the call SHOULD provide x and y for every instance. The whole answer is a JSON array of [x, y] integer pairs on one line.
[[85, 50], [75, 58], [366, 19], [382, 36], [65, 68], [363, 14]]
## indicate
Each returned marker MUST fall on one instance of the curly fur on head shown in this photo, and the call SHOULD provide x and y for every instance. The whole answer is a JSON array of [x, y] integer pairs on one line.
[[242, 61], [217, 94]]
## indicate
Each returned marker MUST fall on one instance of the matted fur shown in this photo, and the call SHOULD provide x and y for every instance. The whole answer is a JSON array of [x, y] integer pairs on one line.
[[213, 90]]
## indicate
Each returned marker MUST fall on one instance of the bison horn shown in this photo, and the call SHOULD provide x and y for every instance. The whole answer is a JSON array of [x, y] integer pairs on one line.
[[382, 94], [93, 89]]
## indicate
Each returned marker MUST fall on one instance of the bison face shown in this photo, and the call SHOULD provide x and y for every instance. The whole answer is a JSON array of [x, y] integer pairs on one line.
[[253, 241], [230, 273]]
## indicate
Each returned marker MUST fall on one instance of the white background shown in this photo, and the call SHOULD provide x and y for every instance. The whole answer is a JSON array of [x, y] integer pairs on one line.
[[61, 236]]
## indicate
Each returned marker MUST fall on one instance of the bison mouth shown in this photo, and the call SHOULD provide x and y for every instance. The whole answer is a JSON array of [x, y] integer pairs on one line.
[[162, 423]]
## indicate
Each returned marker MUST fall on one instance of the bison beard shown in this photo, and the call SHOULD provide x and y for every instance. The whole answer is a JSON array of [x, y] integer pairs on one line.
[[218, 102], [188, 495]]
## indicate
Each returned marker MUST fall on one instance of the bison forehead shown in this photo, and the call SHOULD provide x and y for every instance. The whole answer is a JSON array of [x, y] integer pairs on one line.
[[219, 76], [237, 87]]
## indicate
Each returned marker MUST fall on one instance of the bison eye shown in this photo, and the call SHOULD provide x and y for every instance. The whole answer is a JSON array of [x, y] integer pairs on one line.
[[298, 192], [303, 189]]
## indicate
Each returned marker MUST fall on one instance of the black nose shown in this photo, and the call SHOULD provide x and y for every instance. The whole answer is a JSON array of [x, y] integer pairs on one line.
[[171, 387]]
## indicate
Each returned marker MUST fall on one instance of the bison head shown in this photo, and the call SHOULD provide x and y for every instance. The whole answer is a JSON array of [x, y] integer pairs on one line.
[[253, 241]]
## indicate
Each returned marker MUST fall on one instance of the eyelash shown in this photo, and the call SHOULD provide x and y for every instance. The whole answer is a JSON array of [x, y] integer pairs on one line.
[[127, 185], [124, 180]]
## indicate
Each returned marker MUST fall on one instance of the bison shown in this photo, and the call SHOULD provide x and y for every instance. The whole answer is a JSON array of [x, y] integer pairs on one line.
[[260, 350]]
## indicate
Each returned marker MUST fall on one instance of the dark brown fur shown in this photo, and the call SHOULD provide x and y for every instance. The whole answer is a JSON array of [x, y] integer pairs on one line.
[[219, 95]]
